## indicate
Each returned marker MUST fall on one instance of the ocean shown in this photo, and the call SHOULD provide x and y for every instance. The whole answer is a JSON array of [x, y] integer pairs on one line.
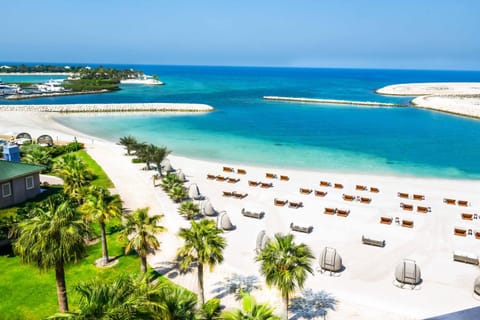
[[244, 128]]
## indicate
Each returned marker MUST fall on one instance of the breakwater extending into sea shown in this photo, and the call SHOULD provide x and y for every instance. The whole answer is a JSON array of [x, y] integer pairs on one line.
[[332, 101], [111, 107]]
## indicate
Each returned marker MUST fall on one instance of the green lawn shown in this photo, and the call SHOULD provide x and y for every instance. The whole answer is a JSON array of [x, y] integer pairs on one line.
[[29, 294], [101, 178]]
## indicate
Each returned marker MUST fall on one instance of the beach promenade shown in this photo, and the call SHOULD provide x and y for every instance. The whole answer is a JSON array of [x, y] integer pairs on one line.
[[364, 289]]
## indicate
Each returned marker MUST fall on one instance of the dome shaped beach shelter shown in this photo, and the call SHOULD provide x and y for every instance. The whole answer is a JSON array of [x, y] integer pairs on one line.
[[408, 272], [194, 192], [167, 166], [262, 240], [476, 288], [223, 221], [45, 140], [181, 176], [23, 137], [330, 260], [207, 209]]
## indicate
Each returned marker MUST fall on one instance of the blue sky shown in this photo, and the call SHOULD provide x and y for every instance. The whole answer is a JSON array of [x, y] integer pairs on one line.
[[404, 34]]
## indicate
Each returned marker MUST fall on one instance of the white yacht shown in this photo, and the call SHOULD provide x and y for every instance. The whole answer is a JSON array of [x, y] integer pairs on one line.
[[51, 86], [146, 80], [7, 89]]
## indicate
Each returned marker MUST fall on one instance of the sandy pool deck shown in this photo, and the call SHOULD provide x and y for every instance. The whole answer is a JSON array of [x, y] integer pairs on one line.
[[364, 290]]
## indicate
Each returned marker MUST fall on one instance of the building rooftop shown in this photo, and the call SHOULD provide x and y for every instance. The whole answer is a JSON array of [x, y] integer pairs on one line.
[[10, 170]]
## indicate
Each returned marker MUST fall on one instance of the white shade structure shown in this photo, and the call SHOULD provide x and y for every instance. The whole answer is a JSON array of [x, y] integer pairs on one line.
[[207, 209], [476, 286], [408, 272], [330, 260], [262, 240], [181, 176], [194, 192], [223, 221], [167, 167]]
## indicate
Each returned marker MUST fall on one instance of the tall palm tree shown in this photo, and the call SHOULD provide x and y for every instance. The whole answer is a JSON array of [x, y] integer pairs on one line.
[[285, 265], [128, 142], [250, 310], [203, 245], [176, 303], [52, 238], [141, 230], [158, 154], [101, 206], [75, 174]]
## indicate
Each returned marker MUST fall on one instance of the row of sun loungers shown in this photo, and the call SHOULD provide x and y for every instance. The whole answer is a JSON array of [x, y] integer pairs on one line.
[[270, 175], [415, 196], [420, 209], [462, 232], [338, 212], [329, 184], [251, 214], [291, 204], [230, 169], [297, 228], [360, 187], [461, 203], [260, 184], [222, 178], [403, 223], [234, 194], [318, 193], [351, 198]]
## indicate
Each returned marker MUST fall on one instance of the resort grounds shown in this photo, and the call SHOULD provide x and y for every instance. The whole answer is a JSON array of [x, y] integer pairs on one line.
[[365, 288]]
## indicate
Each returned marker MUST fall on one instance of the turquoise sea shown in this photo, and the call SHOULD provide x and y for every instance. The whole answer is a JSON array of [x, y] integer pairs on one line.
[[246, 129]]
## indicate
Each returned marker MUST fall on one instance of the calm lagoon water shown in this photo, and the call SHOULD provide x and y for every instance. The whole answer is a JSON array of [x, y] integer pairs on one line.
[[245, 128]]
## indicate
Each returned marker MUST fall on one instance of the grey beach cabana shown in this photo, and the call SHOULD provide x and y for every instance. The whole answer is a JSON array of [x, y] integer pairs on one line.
[[330, 260], [408, 272], [181, 176], [194, 192], [262, 240], [476, 287], [207, 209], [45, 140], [223, 221], [167, 166]]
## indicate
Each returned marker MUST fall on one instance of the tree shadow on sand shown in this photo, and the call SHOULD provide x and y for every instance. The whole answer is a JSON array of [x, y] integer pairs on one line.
[[312, 305], [234, 284]]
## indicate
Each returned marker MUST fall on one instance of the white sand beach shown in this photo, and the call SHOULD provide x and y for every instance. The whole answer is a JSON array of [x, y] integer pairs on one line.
[[365, 289], [461, 98]]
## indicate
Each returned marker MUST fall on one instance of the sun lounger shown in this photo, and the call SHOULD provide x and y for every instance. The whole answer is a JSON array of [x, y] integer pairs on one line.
[[295, 205], [241, 171], [270, 175], [374, 190], [294, 227], [348, 197], [284, 178], [253, 183], [343, 212], [250, 214], [365, 200], [465, 257], [319, 193], [305, 191], [402, 195], [449, 201], [338, 186], [386, 220], [477, 234], [227, 194], [418, 197], [221, 178], [406, 207], [360, 187], [232, 180], [211, 177], [467, 216], [422, 209], [279, 203], [239, 195], [407, 223], [325, 184], [462, 203], [460, 232], [266, 185], [228, 169], [372, 242], [329, 211]]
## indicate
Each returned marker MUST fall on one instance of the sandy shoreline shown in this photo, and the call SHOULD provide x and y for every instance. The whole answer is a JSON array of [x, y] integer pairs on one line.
[[459, 98], [364, 290]]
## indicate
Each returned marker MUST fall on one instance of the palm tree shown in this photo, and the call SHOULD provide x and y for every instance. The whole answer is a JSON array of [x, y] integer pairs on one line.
[[101, 206], [189, 210], [75, 174], [38, 156], [142, 230], [128, 142], [169, 181], [178, 193], [157, 155], [176, 303], [251, 310], [52, 238], [210, 310], [203, 245], [285, 265]]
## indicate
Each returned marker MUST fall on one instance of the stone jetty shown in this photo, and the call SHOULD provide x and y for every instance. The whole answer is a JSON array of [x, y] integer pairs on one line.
[[332, 101], [111, 107]]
